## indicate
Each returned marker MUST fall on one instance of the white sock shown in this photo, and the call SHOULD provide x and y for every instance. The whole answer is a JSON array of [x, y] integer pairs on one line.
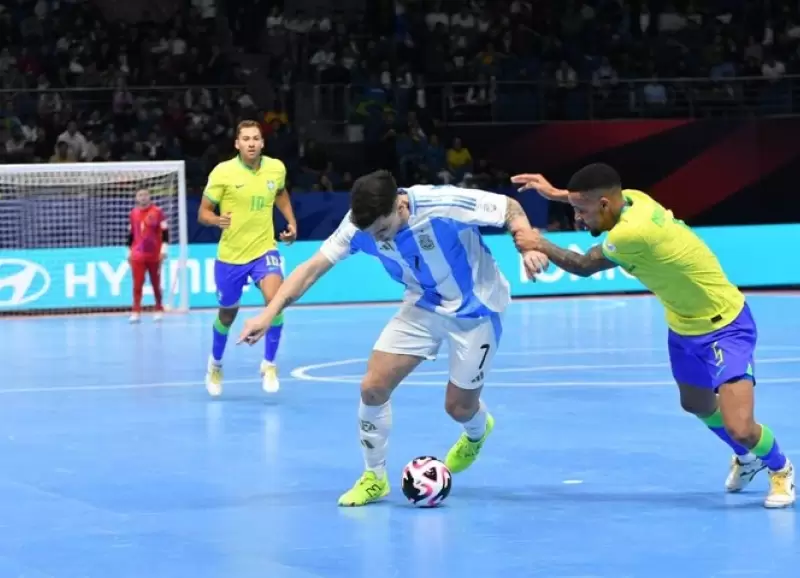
[[476, 426], [375, 422], [746, 459]]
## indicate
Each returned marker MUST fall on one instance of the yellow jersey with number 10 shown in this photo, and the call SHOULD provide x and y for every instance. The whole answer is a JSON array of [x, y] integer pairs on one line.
[[249, 196], [675, 264]]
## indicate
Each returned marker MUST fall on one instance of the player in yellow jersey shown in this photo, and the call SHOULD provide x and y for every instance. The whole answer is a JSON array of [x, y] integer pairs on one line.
[[245, 190], [712, 335]]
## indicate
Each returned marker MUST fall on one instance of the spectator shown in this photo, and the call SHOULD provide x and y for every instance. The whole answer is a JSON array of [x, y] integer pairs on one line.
[[75, 141], [772, 69], [62, 153], [459, 160]]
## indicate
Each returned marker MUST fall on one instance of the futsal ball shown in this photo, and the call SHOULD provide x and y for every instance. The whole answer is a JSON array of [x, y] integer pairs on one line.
[[426, 482]]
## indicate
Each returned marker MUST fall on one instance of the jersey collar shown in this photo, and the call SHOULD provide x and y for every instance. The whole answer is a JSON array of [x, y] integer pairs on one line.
[[247, 167]]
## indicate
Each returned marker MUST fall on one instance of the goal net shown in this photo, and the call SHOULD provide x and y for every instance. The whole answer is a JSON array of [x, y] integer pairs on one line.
[[63, 233]]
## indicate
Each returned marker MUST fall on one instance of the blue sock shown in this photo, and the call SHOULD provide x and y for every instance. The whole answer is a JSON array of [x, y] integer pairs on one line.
[[220, 340], [768, 451], [273, 339], [714, 423]]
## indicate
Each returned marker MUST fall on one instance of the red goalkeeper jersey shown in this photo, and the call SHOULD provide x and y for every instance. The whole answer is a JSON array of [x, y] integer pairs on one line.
[[147, 227]]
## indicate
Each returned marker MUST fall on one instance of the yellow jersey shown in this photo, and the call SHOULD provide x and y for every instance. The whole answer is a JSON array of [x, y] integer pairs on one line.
[[675, 264], [249, 196], [458, 158]]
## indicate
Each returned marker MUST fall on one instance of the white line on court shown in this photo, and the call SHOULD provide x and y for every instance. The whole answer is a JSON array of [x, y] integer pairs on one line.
[[333, 380], [581, 351], [126, 386], [303, 374], [534, 369]]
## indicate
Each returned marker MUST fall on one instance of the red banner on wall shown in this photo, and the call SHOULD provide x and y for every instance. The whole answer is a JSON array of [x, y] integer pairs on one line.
[[706, 171]]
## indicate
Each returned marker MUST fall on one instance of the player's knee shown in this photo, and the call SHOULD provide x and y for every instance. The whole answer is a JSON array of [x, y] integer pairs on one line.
[[742, 429], [461, 405], [227, 316], [373, 392], [697, 401], [697, 408]]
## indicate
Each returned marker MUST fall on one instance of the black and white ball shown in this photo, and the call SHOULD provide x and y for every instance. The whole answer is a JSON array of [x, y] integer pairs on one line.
[[426, 482]]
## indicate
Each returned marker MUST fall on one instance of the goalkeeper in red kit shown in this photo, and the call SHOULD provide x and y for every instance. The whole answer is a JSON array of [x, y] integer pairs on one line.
[[147, 248]]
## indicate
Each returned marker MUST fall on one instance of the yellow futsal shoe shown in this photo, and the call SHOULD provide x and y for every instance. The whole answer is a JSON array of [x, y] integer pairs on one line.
[[465, 451], [781, 488], [214, 378], [269, 377], [369, 488]]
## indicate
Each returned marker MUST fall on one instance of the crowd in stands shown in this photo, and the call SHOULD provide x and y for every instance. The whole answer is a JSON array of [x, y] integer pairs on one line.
[[78, 85]]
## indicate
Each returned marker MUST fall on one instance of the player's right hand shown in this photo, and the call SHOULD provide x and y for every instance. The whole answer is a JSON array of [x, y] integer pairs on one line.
[[224, 221], [539, 184], [531, 181], [253, 330]]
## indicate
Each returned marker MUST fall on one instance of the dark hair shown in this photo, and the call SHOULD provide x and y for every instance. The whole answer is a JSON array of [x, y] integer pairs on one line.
[[372, 196], [594, 177]]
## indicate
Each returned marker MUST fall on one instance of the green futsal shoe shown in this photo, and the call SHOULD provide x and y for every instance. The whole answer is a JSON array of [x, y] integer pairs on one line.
[[465, 451], [369, 488]]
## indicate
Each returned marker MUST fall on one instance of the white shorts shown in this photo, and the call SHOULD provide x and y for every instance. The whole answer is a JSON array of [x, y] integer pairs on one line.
[[472, 342]]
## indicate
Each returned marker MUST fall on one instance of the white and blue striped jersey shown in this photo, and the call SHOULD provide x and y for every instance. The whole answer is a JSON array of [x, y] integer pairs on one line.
[[439, 255]]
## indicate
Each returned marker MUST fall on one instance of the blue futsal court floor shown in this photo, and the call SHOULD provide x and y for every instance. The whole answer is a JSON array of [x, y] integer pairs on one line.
[[115, 464]]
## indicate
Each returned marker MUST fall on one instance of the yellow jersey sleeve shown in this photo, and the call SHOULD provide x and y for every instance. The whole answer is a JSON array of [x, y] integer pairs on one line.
[[216, 185], [624, 245], [280, 170]]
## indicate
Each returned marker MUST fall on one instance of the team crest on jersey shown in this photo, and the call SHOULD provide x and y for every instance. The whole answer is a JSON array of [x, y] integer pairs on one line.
[[271, 185], [611, 248], [426, 242]]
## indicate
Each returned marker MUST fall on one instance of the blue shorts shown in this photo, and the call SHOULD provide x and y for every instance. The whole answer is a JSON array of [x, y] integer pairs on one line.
[[710, 360], [231, 279]]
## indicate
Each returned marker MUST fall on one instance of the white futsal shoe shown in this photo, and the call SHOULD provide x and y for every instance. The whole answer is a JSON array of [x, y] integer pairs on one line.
[[135, 318], [269, 377], [742, 473], [214, 378]]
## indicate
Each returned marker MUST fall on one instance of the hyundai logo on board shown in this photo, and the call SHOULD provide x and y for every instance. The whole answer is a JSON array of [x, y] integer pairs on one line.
[[21, 282]]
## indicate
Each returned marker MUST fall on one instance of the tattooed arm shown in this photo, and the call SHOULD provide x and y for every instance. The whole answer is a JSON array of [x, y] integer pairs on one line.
[[296, 284], [571, 262], [516, 220]]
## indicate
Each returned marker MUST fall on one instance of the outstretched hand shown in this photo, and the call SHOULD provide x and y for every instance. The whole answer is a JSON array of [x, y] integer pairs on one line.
[[531, 181], [537, 182], [252, 331]]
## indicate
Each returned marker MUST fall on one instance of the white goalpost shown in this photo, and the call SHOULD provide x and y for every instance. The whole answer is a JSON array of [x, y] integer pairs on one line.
[[63, 233]]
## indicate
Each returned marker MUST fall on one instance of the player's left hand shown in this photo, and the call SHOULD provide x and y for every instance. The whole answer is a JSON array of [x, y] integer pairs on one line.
[[252, 331], [535, 263], [289, 235], [527, 240]]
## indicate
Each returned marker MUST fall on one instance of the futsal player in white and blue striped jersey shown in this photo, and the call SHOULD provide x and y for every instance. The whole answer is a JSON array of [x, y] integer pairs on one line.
[[426, 238]]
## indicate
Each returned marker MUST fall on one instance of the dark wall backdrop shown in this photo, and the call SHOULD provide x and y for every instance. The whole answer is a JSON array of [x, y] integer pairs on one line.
[[710, 172]]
